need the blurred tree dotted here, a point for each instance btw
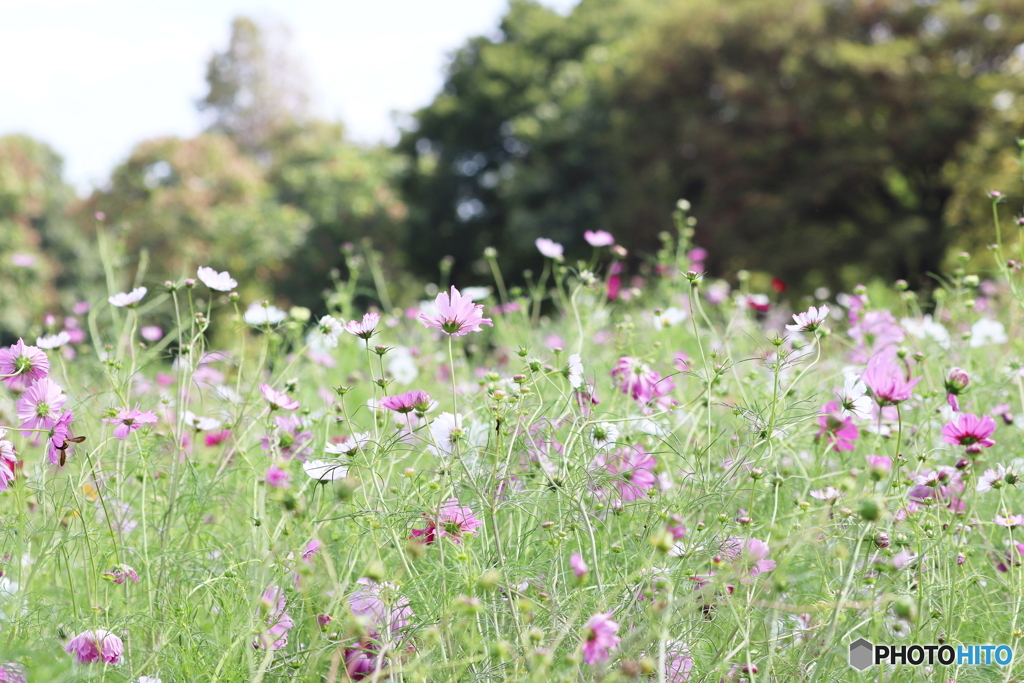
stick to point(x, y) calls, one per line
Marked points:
point(40, 249)
point(256, 86)
point(815, 138)
point(347, 191)
point(189, 203)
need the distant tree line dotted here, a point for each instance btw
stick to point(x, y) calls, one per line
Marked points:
point(820, 141)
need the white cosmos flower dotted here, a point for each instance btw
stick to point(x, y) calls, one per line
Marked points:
point(853, 399)
point(262, 313)
point(324, 471)
point(926, 328)
point(986, 331)
point(575, 371)
point(402, 365)
point(476, 293)
point(53, 341)
point(604, 435)
point(222, 282)
point(327, 332)
point(348, 444)
point(669, 317)
point(446, 430)
point(131, 298)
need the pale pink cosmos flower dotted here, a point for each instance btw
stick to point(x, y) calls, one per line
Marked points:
point(446, 431)
point(379, 607)
point(748, 555)
point(272, 606)
point(1009, 520)
point(222, 282)
point(417, 400)
point(549, 248)
point(119, 573)
point(97, 645)
point(151, 333)
point(456, 315)
point(972, 431)
point(829, 494)
point(365, 328)
point(995, 478)
point(599, 238)
point(131, 298)
point(455, 521)
point(634, 468)
point(128, 421)
point(23, 260)
point(579, 567)
point(23, 365)
point(599, 639)
point(40, 405)
point(53, 341)
point(809, 320)
point(886, 382)
point(278, 399)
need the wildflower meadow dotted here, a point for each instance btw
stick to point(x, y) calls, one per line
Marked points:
point(605, 475)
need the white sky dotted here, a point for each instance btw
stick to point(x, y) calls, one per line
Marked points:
point(93, 77)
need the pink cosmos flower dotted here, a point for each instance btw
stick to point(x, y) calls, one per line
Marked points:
point(635, 470)
point(24, 365)
point(129, 299)
point(877, 332)
point(128, 421)
point(278, 399)
point(829, 494)
point(971, 431)
point(879, 466)
point(119, 573)
point(579, 567)
point(312, 548)
point(748, 555)
point(417, 400)
point(809, 320)
point(598, 238)
point(272, 607)
point(277, 477)
point(956, 382)
point(886, 382)
point(454, 521)
point(599, 639)
point(836, 429)
point(151, 333)
point(222, 282)
point(1002, 410)
point(379, 607)
point(676, 527)
point(39, 406)
point(1009, 521)
point(1009, 558)
point(97, 645)
point(8, 461)
point(457, 315)
point(993, 479)
point(549, 248)
point(289, 437)
point(11, 672)
point(363, 329)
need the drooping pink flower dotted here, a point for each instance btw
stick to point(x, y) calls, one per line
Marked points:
point(599, 639)
point(417, 400)
point(886, 382)
point(809, 320)
point(454, 521)
point(549, 248)
point(222, 282)
point(278, 399)
point(749, 555)
point(97, 645)
point(579, 567)
point(8, 461)
point(634, 468)
point(836, 429)
point(956, 382)
point(40, 405)
point(128, 421)
point(456, 314)
point(24, 365)
point(119, 573)
point(972, 431)
point(365, 328)
point(598, 238)
point(272, 609)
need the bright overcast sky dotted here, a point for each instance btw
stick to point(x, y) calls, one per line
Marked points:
point(94, 77)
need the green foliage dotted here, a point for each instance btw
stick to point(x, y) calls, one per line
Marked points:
point(813, 138)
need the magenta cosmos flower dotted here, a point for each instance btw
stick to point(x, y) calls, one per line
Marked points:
point(971, 431)
point(598, 238)
point(748, 555)
point(456, 314)
point(128, 421)
point(836, 428)
point(809, 320)
point(278, 399)
point(365, 328)
point(8, 461)
point(97, 645)
point(454, 521)
point(23, 365)
point(40, 405)
point(279, 622)
point(120, 573)
point(417, 400)
point(599, 639)
point(886, 382)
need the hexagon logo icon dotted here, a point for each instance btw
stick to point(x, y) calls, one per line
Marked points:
point(861, 654)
